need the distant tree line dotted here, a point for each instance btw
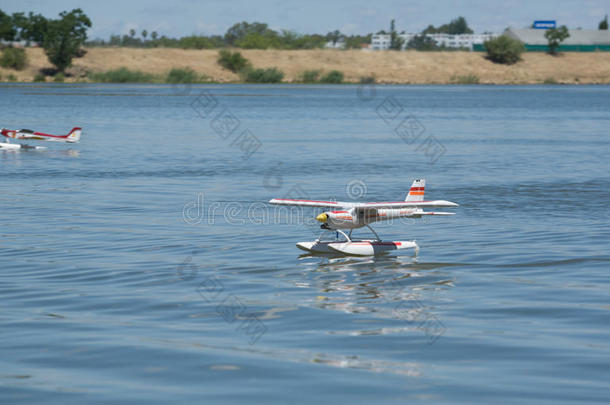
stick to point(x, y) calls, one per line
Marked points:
point(245, 35)
point(257, 35)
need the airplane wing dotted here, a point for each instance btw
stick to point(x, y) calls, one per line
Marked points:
point(371, 206)
point(310, 203)
point(407, 204)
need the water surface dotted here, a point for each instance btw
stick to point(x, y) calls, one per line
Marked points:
point(143, 265)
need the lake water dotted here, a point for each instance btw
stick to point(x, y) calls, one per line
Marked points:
point(143, 264)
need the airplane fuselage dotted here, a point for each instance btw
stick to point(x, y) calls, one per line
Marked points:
point(350, 219)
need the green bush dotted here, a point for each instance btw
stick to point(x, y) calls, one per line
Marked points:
point(258, 41)
point(195, 42)
point(550, 80)
point(11, 78)
point(122, 75)
point(466, 79)
point(367, 80)
point(186, 75)
point(14, 58)
point(40, 78)
point(334, 76)
point(59, 78)
point(556, 36)
point(232, 61)
point(310, 76)
point(269, 75)
point(504, 49)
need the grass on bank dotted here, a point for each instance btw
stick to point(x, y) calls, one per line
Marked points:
point(465, 79)
point(332, 77)
point(309, 76)
point(268, 75)
point(185, 76)
point(124, 75)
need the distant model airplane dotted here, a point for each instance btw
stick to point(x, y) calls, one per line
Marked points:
point(27, 134)
point(353, 215)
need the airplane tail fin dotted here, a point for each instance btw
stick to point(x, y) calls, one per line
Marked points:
point(416, 192)
point(74, 135)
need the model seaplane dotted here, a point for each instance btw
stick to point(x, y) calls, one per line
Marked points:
point(353, 215)
point(27, 135)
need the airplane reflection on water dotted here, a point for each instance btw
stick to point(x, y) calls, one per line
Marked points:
point(394, 288)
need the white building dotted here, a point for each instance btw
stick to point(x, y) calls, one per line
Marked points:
point(382, 41)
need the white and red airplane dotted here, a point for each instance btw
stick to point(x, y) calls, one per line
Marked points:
point(27, 134)
point(353, 215)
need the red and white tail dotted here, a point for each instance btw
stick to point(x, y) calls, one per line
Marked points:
point(74, 135)
point(416, 192)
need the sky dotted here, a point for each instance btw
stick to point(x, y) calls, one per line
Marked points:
point(186, 17)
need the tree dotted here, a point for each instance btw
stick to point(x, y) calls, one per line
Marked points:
point(144, 34)
point(430, 29)
point(504, 49)
point(356, 41)
point(459, 26)
point(396, 42)
point(154, 35)
point(257, 41)
point(64, 37)
point(132, 33)
point(7, 28)
point(422, 43)
point(603, 24)
point(33, 28)
point(555, 36)
point(334, 36)
point(241, 30)
point(18, 20)
point(455, 27)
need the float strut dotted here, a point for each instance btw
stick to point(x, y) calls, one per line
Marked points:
point(377, 236)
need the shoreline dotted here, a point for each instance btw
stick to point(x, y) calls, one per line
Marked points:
point(386, 67)
point(288, 84)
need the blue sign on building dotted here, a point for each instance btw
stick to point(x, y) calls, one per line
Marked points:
point(544, 24)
